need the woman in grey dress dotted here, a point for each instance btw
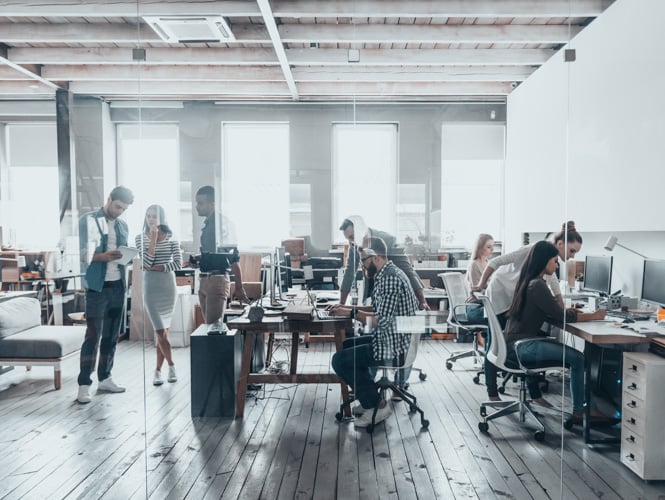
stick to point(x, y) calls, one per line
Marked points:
point(160, 257)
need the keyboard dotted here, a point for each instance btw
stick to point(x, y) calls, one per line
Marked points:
point(325, 314)
point(628, 315)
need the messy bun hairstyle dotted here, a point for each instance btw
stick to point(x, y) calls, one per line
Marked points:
point(568, 233)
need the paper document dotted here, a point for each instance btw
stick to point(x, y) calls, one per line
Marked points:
point(128, 255)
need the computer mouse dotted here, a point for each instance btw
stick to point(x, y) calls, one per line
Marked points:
point(321, 300)
point(628, 320)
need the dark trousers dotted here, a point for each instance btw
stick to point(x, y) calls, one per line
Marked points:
point(105, 313)
point(355, 364)
point(491, 372)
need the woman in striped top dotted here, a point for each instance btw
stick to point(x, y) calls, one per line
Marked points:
point(160, 257)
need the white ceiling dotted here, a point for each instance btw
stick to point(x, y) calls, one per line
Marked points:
point(285, 50)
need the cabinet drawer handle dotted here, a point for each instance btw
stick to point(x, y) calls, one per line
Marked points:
point(632, 386)
point(632, 404)
point(630, 456)
point(634, 368)
point(630, 439)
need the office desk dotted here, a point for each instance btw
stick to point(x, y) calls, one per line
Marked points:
point(596, 334)
point(273, 324)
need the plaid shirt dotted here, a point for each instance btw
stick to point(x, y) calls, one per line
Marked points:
point(392, 296)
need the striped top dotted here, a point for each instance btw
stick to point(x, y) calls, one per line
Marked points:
point(167, 252)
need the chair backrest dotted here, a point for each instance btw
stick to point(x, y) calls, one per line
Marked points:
point(414, 325)
point(498, 350)
point(457, 292)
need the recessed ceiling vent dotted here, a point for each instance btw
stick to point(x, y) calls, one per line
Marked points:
point(191, 29)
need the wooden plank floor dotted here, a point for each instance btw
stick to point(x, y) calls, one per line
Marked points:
point(144, 443)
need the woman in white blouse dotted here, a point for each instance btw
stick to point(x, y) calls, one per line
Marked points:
point(160, 257)
point(481, 253)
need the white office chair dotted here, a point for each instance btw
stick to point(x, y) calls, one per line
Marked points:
point(457, 291)
point(387, 382)
point(498, 354)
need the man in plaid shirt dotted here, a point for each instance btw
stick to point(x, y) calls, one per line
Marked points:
point(392, 296)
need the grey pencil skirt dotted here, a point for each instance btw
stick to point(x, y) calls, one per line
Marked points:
point(159, 294)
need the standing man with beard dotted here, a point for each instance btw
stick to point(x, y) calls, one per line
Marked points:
point(392, 296)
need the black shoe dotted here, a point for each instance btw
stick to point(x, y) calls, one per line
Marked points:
point(254, 387)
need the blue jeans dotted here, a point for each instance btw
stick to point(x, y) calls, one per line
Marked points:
point(550, 353)
point(105, 313)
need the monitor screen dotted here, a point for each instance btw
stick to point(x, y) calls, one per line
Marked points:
point(598, 274)
point(653, 282)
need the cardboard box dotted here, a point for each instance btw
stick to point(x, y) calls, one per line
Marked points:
point(294, 246)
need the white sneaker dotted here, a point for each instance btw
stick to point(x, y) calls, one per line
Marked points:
point(109, 385)
point(84, 394)
point(357, 409)
point(366, 418)
point(172, 376)
point(157, 378)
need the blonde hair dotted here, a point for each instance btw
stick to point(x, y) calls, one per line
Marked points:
point(483, 238)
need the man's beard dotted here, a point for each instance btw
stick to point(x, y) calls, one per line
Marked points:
point(371, 270)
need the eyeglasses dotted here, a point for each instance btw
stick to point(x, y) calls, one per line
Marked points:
point(363, 259)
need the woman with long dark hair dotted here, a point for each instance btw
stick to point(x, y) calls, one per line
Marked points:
point(533, 304)
point(161, 257)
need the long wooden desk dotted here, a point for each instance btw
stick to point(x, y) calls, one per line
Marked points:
point(595, 335)
point(274, 324)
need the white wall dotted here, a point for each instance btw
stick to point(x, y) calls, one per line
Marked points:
point(592, 131)
point(586, 140)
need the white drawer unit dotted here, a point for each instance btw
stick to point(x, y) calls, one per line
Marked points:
point(643, 411)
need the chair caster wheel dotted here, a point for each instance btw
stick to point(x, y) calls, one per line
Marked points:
point(483, 411)
point(539, 436)
point(502, 390)
point(483, 426)
point(338, 416)
point(568, 424)
point(476, 380)
point(424, 424)
point(449, 365)
point(370, 429)
point(422, 376)
point(412, 408)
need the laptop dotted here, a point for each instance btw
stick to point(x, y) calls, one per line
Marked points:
point(321, 313)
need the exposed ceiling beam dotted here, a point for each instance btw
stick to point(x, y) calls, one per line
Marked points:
point(441, 33)
point(258, 89)
point(307, 57)
point(27, 87)
point(158, 55)
point(271, 26)
point(273, 73)
point(27, 72)
point(312, 8)
point(300, 33)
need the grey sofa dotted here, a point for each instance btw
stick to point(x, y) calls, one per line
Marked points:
point(24, 341)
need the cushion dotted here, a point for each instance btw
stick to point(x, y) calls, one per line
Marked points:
point(19, 314)
point(43, 342)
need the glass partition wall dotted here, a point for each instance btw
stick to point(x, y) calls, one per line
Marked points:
point(434, 174)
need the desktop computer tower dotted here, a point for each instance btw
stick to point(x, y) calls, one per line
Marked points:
point(606, 372)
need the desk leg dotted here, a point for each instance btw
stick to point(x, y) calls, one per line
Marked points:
point(241, 389)
point(295, 339)
point(586, 416)
point(271, 342)
point(339, 340)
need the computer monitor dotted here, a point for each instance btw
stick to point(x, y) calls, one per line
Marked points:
point(598, 274)
point(282, 274)
point(653, 282)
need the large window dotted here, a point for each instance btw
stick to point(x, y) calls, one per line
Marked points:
point(364, 174)
point(255, 182)
point(471, 183)
point(30, 194)
point(148, 164)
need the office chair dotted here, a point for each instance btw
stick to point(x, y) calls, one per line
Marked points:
point(387, 382)
point(456, 288)
point(498, 355)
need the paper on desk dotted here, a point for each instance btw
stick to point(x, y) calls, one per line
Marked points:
point(128, 255)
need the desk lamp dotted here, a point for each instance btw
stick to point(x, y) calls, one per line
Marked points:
point(612, 241)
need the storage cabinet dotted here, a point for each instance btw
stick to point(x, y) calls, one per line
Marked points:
point(643, 410)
